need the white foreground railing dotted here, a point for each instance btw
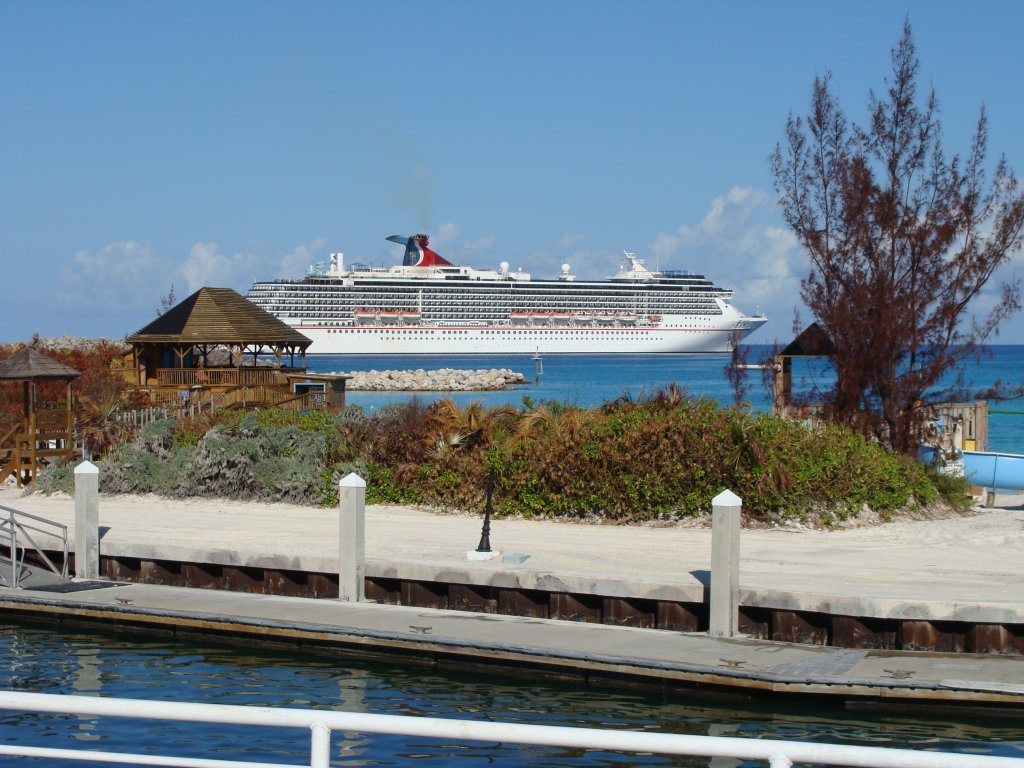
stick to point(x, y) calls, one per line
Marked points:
point(779, 754)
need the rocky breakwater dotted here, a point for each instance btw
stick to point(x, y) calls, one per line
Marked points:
point(443, 380)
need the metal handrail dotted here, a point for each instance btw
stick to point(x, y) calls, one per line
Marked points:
point(10, 528)
point(778, 753)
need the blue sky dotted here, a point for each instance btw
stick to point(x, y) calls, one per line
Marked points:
point(214, 143)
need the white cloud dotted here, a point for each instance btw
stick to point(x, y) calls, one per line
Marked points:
point(295, 263)
point(119, 276)
point(1011, 329)
point(569, 239)
point(133, 276)
point(482, 244)
point(446, 233)
point(738, 245)
point(444, 243)
point(205, 267)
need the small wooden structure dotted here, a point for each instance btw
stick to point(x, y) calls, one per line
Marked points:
point(965, 425)
point(812, 342)
point(44, 436)
point(211, 350)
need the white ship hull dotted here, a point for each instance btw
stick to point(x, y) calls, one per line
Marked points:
point(688, 335)
point(428, 306)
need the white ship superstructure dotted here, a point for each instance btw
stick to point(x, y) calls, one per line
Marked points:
point(429, 306)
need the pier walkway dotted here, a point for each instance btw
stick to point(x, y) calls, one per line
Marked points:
point(573, 649)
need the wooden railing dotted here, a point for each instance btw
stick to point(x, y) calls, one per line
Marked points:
point(268, 396)
point(170, 404)
point(219, 377)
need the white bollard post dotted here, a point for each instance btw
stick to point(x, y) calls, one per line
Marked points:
point(725, 564)
point(87, 521)
point(352, 538)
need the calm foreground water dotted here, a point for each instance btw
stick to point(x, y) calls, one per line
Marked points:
point(589, 380)
point(87, 663)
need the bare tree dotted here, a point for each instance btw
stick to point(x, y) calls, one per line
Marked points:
point(166, 302)
point(736, 370)
point(901, 240)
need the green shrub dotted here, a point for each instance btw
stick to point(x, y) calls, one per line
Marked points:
point(661, 456)
point(53, 480)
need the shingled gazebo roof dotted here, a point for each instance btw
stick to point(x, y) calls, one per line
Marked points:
point(812, 342)
point(31, 365)
point(218, 316)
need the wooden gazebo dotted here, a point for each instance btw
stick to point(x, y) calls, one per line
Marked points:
point(44, 436)
point(217, 342)
point(812, 342)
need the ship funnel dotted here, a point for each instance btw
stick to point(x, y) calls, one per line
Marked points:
point(417, 254)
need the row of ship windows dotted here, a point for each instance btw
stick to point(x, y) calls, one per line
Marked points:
point(481, 304)
point(559, 287)
point(548, 331)
point(477, 316)
point(505, 301)
point(494, 311)
point(508, 300)
point(447, 306)
point(502, 300)
point(459, 290)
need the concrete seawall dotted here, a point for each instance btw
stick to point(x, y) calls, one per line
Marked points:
point(910, 585)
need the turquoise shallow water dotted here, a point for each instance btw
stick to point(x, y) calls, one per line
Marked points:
point(48, 661)
point(589, 380)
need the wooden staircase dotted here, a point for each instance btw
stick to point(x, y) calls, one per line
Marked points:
point(43, 439)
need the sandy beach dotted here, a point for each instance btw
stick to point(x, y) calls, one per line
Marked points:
point(975, 559)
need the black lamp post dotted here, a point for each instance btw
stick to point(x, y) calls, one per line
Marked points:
point(485, 535)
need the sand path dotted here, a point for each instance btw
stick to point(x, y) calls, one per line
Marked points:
point(974, 560)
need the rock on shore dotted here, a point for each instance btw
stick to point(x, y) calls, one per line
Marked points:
point(82, 343)
point(443, 380)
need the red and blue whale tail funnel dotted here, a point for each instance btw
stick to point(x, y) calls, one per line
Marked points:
point(416, 252)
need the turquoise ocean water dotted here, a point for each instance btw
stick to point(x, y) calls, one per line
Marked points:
point(589, 380)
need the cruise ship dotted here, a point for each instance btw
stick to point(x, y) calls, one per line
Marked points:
point(428, 305)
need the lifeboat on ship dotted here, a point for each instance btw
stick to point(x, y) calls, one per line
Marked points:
point(628, 318)
point(540, 318)
point(388, 317)
point(365, 316)
point(583, 318)
point(603, 318)
point(519, 318)
point(561, 318)
point(412, 318)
